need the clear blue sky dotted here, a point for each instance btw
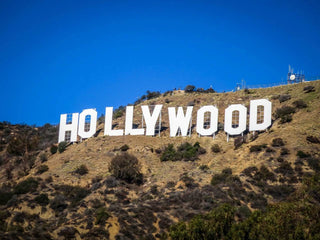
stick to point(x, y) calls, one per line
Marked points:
point(64, 56)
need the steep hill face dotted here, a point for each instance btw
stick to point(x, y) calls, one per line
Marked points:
point(88, 192)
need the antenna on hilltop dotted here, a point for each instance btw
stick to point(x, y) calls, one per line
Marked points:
point(295, 77)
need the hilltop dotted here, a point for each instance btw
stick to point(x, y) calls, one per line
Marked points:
point(75, 194)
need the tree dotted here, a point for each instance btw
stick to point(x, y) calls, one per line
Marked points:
point(189, 88)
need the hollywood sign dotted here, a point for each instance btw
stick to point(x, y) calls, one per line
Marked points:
point(180, 122)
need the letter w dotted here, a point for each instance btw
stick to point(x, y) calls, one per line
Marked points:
point(179, 120)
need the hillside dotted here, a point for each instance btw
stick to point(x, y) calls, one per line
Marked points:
point(74, 195)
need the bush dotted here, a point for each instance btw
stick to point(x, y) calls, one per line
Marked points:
point(42, 169)
point(5, 196)
point(284, 151)
point(68, 232)
point(169, 154)
point(222, 177)
point(284, 98)
point(188, 181)
point(28, 185)
point(126, 167)
point(213, 225)
point(190, 152)
point(238, 142)
point(215, 148)
point(286, 119)
point(264, 174)
point(249, 171)
point(81, 170)
point(308, 89)
point(246, 91)
point(58, 203)
point(299, 104)
point(62, 146)
point(189, 88)
point(277, 142)
point(102, 216)
point(53, 149)
point(314, 163)
point(257, 148)
point(285, 169)
point(124, 148)
point(43, 157)
point(284, 113)
point(313, 139)
point(119, 112)
point(20, 144)
point(185, 151)
point(302, 154)
point(151, 95)
point(42, 199)
point(204, 167)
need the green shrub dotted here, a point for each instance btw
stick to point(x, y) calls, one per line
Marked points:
point(119, 112)
point(74, 193)
point(42, 199)
point(221, 177)
point(28, 185)
point(68, 232)
point(124, 148)
point(188, 181)
point(284, 151)
point(189, 88)
point(169, 154)
point(299, 104)
point(53, 149)
point(308, 89)
point(42, 169)
point(58, 203)
point(5, 196)
point(284, 113)
point(126, 167)
point(22, 143)
point(246, 91)
point(313, 139)
point(43, 158)
point(277, 142)
point(185, 151)
point(302, 154)
point(81, 170)
point(284, 98)
point(215, 148)
point(257, 148)
point(285, 169)
point(151, 95)
point(62, 146)
point(264, 174)
point(314, 163)
point(204, 167)
point(213, 225)
point(102, 216)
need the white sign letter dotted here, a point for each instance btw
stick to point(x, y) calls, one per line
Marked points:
point(254, 125)
point(151, 119)
point(213, 120)
point(92, 125)
point(129, 121)
point(179, 121)
point(64, 126)
point(108, 124)
point(242, 119)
